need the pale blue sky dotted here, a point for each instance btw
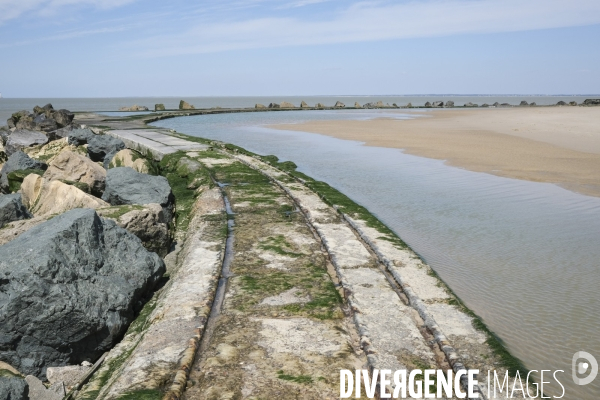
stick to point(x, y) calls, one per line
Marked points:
point(89, 48)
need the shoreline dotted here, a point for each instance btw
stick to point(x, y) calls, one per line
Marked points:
point(557, 145)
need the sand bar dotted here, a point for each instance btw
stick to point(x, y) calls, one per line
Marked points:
point(558, 145)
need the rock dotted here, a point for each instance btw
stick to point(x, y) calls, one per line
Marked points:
point(285, 104)
point(127, 186)
point(65, 131)
point(449, 104)
point(184, 105)
point(427, 104)
point(357, 105)
point(20, 139)
point(72, 298)
point(524, 103)
point(50, 150)
point(12, 209)
point(159, 107)
point(274, 105)
point(147, 222)
point(186, 166)
point(485, 105)
point(505, 104)
point(13, 388)
point(561, 103)
point(18, 161)
point(26, 122)
point(339, 104)
point(533, 104)
point(258, 105)
point(11, 123)
point(572, 103)
point(73, 167)
point(395, 105)
point(79, 137)
point(70, 375)
point(37, 390)
point(129, 158)
point(496, 104)
point(304, 105)
point(63, 117)
point(99, 146)
point(44, 197)
point(469, 104)
point(13, 229)
point(4, 134)
point(46, 125)
point(591, 102)
point(437, 104)
point(409, 105)
point(319, 105)
point(134, 107)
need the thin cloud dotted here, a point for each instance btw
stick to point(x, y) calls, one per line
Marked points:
point(12, 9)
point(372, 21)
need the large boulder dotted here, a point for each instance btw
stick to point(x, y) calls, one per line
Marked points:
point(437, 104)
point(285, 104)
point(274, 105)
point(159, 107)
point(147, 222)
point(524, 103)
point(100, 146)
point(4, 134)
point(339, 104)
point(13, 388)
point(258, 105)
point(63, 117)
point(51, 150)
point(134, 107)
point(73, 167)
point(184, 105)
point(126, 186)
point(70, 288)
point(357, 105)
point(469, 104)
point(79, 137)
point(449, 104)
point(21, 139)
point(319, 105)
point(561, 103)
point(572, 103)
point(591, 102)
point(12, 209)
point(18, 161)
point(44, 197)
point(304, 105)
point(13, 229)
point(129, 158)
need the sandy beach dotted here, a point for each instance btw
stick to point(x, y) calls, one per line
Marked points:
point(558, 145)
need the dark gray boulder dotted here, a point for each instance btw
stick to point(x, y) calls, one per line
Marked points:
point(524, 103)
point(12, 209)
point(533, 104)
point(496, 104)
point(99, 146)
point(437, 104)
point(561, 103)
point(427, 104)
point(449, 104)
point(591, 102)
point(69, 288)
point(125, 185)
point(274, 105)
point(79, 137)
point(16, 162)
point(20, 139)
point(469, 104)
point(63, 117)
point(65, 131)
point(13, 388)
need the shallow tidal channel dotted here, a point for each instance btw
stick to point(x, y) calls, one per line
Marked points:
point(524, 256)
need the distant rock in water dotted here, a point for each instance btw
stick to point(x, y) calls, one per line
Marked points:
point(339, 104)
point(285, 104)
point(485, 105)
point(496, 104)
point(561, 103)
point(320, 105)
point(427, 104)
point(184, 105)
point(72, 298)
point(304, 105)
point(505, 104)
point(469, 104)
point(437, 104)
point(572, 103)
point(591, 102)
point(449, 104)
point(356, 105)
point(533, 104)
point(274, 105)
point(134, 107)
point(523, 103)
point(395, 105)
point(409, 105)
point(127, 186)
point(159, 107)
point(258, 105)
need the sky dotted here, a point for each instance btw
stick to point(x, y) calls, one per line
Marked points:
point(118, 48)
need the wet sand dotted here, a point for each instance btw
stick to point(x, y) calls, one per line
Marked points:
point(558, 145)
